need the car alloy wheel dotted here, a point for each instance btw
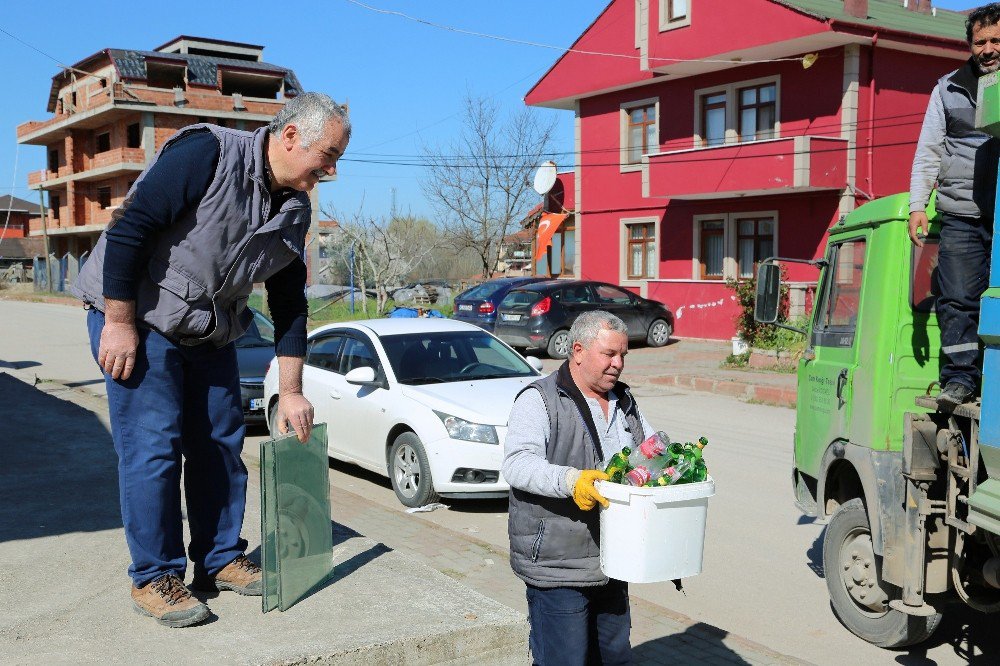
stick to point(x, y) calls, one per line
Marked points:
point(659, 333)
point(559, 344)
point(410, 472)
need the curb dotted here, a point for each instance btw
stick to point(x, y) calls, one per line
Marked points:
point(768, 395)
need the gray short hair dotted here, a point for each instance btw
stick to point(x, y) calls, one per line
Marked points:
point(588, 326)
point(310, 112)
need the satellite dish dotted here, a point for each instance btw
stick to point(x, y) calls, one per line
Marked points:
point(545, 177)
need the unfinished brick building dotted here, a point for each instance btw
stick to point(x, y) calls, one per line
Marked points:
point(113, 110)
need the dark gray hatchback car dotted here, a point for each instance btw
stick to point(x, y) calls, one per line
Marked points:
point(538, 316)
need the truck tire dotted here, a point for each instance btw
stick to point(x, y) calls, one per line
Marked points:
point(859, 597)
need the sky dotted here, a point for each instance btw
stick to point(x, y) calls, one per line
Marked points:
point(405, 80)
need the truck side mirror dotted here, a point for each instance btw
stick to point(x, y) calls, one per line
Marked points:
point(768, 287)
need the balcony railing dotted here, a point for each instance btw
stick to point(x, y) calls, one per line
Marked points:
point(775, 166)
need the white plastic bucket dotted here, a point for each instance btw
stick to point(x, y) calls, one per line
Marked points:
point(652, 535)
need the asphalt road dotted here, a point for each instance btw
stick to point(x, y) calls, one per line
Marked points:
point(763, 576)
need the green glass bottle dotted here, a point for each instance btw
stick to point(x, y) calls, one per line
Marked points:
point(700, 472)
point(618, 466)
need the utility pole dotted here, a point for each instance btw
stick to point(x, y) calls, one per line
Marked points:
point(45, 239)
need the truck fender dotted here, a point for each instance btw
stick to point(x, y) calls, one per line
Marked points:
point(848, 471)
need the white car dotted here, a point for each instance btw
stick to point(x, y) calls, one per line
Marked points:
point(423, 401)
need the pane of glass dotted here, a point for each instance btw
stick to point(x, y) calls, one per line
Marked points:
point(745, 257)
point(323, 352)
point(678, 8)
point(265, 328)
point(357, 355)
point(765, 227)
point(650, 113)
point(715, 127)
point(711, 224)
point(650, 259)
point(650, 138)
point(635, 116)
point(746, 227)
point(609, 294)
point(845, 287)
point(636, 231)
point(765, 122)
point(557, 254)
point(748, 124)
point(767, 93)
point(425, 358)
point(296, 534)
point(717, 98)
point(569, 250)
point(713, 255)
point(635, 260)
point(765, 249)
point(541, 267)
point(748, 96)
point(634, 144)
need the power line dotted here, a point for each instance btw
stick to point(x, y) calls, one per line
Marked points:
point(524, 42)
point(471, 163)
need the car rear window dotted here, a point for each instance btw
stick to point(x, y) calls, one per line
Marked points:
point(516, 298)
point(482, 292)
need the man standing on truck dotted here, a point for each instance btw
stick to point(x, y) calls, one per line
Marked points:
point(963, 162)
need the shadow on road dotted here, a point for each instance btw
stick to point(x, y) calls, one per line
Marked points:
point(699, 643)
point(972, 636)
point(18, 365)
point(58, 469)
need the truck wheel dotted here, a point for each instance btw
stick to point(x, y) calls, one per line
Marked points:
point(859, 597)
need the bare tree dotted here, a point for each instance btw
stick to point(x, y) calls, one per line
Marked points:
point(479, 183)
point(386, 249)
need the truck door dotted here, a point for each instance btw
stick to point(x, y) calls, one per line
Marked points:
point(827, 368)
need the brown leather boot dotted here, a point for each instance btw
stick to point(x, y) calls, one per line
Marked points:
point(242, 575)
point(168, 601)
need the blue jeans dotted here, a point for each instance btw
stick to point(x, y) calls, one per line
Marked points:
point(963, 275)
point(576, 626)
point(179, 403)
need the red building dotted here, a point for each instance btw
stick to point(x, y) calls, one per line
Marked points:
point(711, 134)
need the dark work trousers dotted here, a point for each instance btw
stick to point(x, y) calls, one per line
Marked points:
point(963, 275)
point(179, 403)
point(578, 626)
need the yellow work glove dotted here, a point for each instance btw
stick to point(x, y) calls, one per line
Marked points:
point(584, 493)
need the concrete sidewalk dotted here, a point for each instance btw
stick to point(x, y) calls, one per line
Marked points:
point(64, 592)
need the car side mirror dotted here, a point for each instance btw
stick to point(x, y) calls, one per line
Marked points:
point(765, 308)
point(534, 362)
point(361, 376)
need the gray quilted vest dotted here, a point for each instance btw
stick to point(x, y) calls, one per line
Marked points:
point(203, 267)
point(552, 542)
point(968, 172)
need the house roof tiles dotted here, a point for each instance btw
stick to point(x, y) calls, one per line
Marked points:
point(888, 14)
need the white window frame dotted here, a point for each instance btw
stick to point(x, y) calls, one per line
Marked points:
point(730, 238)
point(623, 238)
point(732, 105)
point(623, 112)
point(666, 25)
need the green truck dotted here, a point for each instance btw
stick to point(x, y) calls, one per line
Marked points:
point(904, 490)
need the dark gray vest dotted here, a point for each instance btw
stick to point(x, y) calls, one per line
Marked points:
point(202, 268)
point(552, 542)
point(968, 172)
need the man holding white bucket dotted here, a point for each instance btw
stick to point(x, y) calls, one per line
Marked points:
point(562, 429)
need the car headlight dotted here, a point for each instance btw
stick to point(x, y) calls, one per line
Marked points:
point(466, 430)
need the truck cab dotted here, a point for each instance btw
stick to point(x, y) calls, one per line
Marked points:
point(893, 478)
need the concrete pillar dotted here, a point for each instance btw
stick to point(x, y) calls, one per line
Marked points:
point(148, 135)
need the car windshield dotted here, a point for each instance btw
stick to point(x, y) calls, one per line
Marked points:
point(454, 356)
point(259, 334)
point(520, 298)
